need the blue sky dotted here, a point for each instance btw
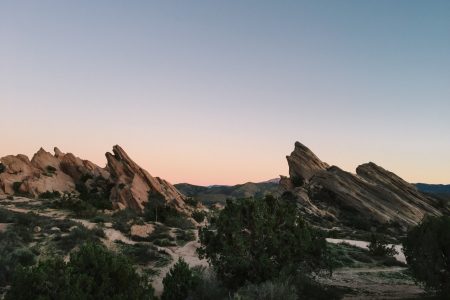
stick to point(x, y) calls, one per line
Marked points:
point(214, 92)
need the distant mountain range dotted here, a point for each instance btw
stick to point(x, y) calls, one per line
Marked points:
point(439, 189)
point(212, 194)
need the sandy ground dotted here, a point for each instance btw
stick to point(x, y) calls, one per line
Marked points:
point(188, 253)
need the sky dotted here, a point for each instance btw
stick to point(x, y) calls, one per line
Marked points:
point(217, 92)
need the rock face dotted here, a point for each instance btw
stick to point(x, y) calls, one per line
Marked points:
point(125, 183)
point(373, 194)
point(41, 174)
point(304, 164)
point(134, 186)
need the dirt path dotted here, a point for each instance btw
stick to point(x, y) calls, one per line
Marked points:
point(188, 253)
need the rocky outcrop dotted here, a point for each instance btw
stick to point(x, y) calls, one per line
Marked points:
point(41, 174)
point(373, 194)
point(304, 164)
point(134, 186)
point(122, 180)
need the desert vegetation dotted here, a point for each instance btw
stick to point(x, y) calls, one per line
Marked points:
point(93, 272)
point(427, 250)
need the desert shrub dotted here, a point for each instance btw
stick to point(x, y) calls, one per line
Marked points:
point(16, 186)
point(427, 251)
point(124, 219)
point(267, 291)
point(23, 256)
point(184, 236)
point(6, 216)
point(179, 221)
point(80, 208)
point(94, 197)
point(2, 168)
point(47, 280)
point(13, 253)
point(50, 195)
point(208, 287)
point(307, 288)
point(192, 202)
point(77, 236)
point(144, 253)
point(157, 210)
point(179, 281)
point(199, 216)
point(255, 239)
point(165, 242)
point(51, 169)
point(93, 272)
point(101, 218)
point(380, 247)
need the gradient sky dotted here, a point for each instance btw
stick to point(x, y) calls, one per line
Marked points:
point(217, 92)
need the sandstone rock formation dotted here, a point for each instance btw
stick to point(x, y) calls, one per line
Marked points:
point(134, 186)
point(33, 177)
point(122, 180)
point(373, 194)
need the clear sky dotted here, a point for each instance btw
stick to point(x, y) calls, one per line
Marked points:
point(217, 92)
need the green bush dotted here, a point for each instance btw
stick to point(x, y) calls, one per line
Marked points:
point(192, 202)
point(267, 291)
point(80, 208)
point(208, 287)
point(94, 197)
point(124, 219)
point(50, 195)
point(380, 247)
point(93, 272)
point(253, 240)
point(144, 253)
point(179, 281)
point(16, 186)
point(427, 251)
point(47, 280)
point(199, 216)
point(51, 169)
point(157, 210)
point(184, 236)
point(77, 236)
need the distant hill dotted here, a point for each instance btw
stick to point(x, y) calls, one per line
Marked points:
point(219, 193)
point(441, 192)
point(434, 188)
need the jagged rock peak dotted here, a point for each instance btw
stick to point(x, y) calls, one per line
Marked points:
point(303, 163)
point(58, 152)
point(133, 185)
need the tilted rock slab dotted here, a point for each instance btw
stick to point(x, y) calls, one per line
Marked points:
point(372, 193)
